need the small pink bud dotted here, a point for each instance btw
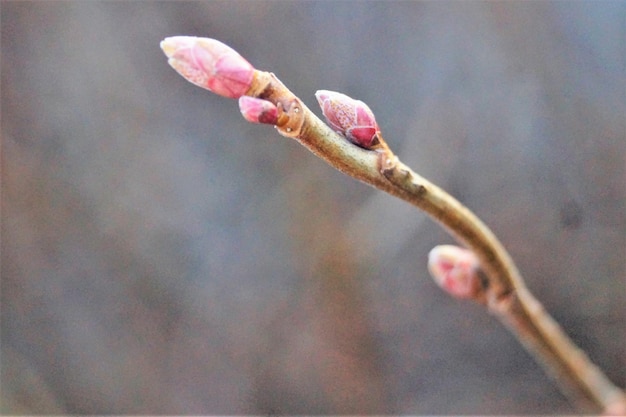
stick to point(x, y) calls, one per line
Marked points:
point(616, 408)
point(455, 270)
point(256, 110)
point(209, 64)
point(349, 117)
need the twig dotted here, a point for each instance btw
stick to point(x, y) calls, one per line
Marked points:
point(505, 294)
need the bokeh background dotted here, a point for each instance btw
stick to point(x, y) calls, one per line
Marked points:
point(161, 255)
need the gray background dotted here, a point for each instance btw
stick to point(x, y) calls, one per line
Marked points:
point(161, 255)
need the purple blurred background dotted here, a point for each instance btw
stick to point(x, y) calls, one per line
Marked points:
point(161, 255)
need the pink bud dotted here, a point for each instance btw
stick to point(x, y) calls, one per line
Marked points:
point(210, 64)
point(616, 408)
point(256, 110)
point(455, 270)
point(348, 117)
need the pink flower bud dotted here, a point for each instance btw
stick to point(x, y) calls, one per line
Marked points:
point(455, 270)
point(256, 110)
point(616, 408)
point(348, 117)
point(210, 64)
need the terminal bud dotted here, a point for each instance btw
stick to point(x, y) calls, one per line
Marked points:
point(209, 64)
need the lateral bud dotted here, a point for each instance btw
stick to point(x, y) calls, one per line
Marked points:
point(455, 270)
point(351, 118)
point(256, 110)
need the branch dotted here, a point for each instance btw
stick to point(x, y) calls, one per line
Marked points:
point(356, 147)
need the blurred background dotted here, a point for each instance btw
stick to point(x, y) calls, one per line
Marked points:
point(161, 255)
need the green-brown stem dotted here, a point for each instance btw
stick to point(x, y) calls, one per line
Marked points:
point(506, 295)
point(508, 298)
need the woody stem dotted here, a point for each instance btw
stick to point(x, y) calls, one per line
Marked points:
point(506, 294)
